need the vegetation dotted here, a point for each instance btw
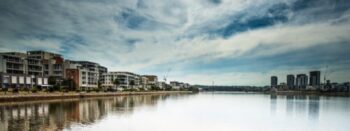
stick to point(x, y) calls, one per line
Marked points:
point(15, 90)
point(97, 89)
point(132, 83)
point(99, 83)
point(26, 89)
point(5, 90)
point(70, 84)
point(52, 80)
point(154, 88)
point(34, 89)
point(116, 83)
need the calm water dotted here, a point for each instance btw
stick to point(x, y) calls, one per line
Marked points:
point(200, 112)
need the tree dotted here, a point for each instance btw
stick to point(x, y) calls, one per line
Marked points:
point(116, 82)
point(69, 83)
point(99, 84)
point(52, 80)
point(132, 83)
point(5, 89)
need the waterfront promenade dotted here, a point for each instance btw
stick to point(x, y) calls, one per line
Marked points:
point(23, 96)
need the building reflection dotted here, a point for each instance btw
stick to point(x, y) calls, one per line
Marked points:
point(290, 104)
point(297, 105)
point(314, 107)
point(58, 115)
point(300, 104)
point(273, 103)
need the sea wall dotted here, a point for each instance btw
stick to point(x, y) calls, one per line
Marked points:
point(50, 96)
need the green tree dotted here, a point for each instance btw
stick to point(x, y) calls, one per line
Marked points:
point(5, 89)
point(116, 82)
point(99, 83)
point(132, 83)
point(52, 80)
point(69, 83)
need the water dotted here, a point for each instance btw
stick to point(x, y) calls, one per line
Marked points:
point(200, 112)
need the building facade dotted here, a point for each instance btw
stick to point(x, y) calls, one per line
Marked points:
point(152, 79)
point(125, 80)
point(274, 81)
point(52, 64)
point(19, 71)
point(315, 78)
point(290, 81)
point(85, 74)
point(301, 81)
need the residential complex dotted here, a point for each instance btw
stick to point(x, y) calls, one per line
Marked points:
point(52, 64)
point(274, 81)
point(38, 68)
point(178, 85)
point(18, 70)
point(315, 78)
point(121, 79)
point(301, 81)
point(290, 81)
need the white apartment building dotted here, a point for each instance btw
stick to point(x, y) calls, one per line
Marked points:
point(125, 79)
point(179, 85)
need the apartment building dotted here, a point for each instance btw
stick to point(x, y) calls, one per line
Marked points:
point(52, 64)
point(85, 74)
point(179, 85)
point(175, 84)
point(17, 70)
point(125, 79)
point(152, 79)
point(13, 63)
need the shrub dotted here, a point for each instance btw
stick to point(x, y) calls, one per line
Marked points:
point(25, 89)
point(15, 90)
point(34, 89)
point(50, 89)
point(133, 89)
point(5, 90)
point(97, 90)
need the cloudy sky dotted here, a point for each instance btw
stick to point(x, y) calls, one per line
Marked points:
point(230, 42)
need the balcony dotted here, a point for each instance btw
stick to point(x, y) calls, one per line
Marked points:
point(35, 63)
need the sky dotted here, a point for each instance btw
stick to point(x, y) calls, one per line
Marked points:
point(225, 42)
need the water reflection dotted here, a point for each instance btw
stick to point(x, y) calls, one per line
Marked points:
point(300, 104)
point(290, 104)
point(314, 107)
point(60, 114)
point(273, 103)
point(297, 105)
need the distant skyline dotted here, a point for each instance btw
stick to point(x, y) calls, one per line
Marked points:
point(231, 42)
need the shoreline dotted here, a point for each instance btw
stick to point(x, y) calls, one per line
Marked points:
point(345, 94)
point(52, 96)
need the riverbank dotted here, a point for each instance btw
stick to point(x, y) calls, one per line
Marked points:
point(347, 94)
point(59, 95)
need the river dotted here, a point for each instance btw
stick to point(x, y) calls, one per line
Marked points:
point(220, 111)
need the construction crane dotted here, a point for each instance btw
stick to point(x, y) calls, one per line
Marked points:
point(325, 74)
point(166, 75)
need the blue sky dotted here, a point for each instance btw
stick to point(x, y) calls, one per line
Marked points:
point(231, 42)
